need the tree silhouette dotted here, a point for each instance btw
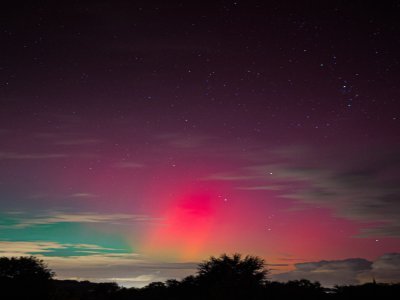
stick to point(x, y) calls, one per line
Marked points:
point(24, 268)
point(25, 277)
point(232, 276)
point(235, 268)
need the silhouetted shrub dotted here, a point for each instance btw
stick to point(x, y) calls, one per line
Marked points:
point(233, 276)
point(25, 277)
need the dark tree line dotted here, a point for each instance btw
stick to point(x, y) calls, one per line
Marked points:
point(224, 277)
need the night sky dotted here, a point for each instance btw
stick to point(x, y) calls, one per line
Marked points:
point(138, 138)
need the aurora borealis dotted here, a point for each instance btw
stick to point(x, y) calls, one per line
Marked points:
point(138, 138)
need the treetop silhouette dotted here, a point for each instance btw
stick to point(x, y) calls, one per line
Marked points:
point(235, 269)
point(23, 268)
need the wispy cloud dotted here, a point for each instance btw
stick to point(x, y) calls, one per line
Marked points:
point(128, 165)
point(260, 188)
point(185, 142)
point(364, 189)
point(26, 248)
point(128, 269)
point(82, 195)
point(231, 177)
point(385, 269)
point(23, 221)
point(78, 142)
point(17, 248)
point(27, 156)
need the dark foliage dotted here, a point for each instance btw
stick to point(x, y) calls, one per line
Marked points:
point(25, 278)
point(76, 290)
point(368, 291)
point(296, 289)
point(23, 268)
point(232, 277)
point(224, 277)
